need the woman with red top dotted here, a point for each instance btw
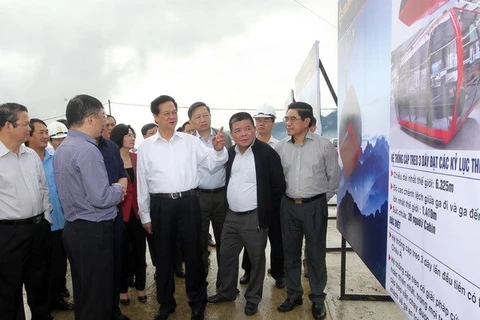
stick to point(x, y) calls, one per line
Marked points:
point(134, 237)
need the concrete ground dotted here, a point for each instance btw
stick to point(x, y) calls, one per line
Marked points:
point(359, 281)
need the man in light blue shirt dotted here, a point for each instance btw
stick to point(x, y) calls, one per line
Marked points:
point(38, 141)
point(211, 189)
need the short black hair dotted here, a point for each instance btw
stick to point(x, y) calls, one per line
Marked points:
point(110, 116)
point(32, 126)
point(180, 129)
point(9, 113)
point(314, 121)
point(196, 105)
point(64, 121)
point(147, 127)
point(158, 101)
point(184, 125)
point(239, 116)
point(304, 110)
point(80, 107)
point(120, 131)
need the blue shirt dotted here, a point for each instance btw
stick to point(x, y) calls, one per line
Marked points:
point(210, 179)
point(113, 161)
point(82, 180)
point(58, 217)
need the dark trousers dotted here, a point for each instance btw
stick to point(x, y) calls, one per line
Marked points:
point(213, 208)
point(177, 257)
point(171, 218)
point(24, 259)
point(276, 249)
point(309, 219)
point(58, 265)
point(134, 238)
point(118, 227)
point(242, 231)
point(89, 247)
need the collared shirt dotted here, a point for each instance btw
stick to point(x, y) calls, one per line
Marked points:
point(82, 180)
point(23, 187)
point(242, 186)
point(113, 160)
point(310, 168)
point(58, 217)
point(172, 166)
point(272, 142)
point(210, 179)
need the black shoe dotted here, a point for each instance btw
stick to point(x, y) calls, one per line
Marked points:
point(245, 279)
point(280, 283)
point(142, 299)
point(65, 293)
point(289, 304)
point(122, 317)
point(125, 302)
point(198, 315)
point(319, 311)
point(251, 308)
point(131, 281)
point(61, 304)
point(217, 298)
point(164, 312)
point(179, 272)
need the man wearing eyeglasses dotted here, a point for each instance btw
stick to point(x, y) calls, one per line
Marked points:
point(24, 230)
point(312, 174)
point(167, 176)
point(265, 116)
point(90, 205)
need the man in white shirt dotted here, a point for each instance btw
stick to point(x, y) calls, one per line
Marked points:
point(167, 176)
point(255, 186)
point(24, 230)
point(211, 189)
point(265, 116)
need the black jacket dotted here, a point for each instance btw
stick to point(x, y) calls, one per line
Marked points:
point(270, 179)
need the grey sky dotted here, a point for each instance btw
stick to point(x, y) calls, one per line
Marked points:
point(53, 50)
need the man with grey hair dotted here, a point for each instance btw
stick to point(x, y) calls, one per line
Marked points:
point(24, 211)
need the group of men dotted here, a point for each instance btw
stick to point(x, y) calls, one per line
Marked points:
point(252, 189)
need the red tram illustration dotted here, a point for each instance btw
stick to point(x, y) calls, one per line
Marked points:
point(439, 75)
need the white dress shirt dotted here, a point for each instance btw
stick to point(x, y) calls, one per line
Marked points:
point(172, 166)
point(272, 142)
point(242, 185)
point(23, 191)
point(210, 179)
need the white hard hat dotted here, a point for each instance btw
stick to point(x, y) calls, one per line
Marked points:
point(265, 111)
point(57, 130)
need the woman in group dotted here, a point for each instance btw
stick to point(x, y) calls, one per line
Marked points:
point(134, 237)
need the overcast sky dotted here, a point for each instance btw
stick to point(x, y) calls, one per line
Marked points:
point(230, 54)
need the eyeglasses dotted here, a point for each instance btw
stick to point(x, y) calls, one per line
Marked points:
point(264, 120)
point(292, 119)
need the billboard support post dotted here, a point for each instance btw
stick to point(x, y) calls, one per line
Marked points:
point(354, 297)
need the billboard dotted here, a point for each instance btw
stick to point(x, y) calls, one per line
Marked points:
point(307, 83)
point(409, 90)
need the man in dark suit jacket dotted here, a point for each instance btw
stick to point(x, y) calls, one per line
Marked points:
point(255, 185)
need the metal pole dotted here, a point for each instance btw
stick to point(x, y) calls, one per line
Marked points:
point(327, 80)
point(342, 268)
point(109, 108)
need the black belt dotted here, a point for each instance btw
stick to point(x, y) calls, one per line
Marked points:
point(173, 195)
point(32, 220)
point(241, 213)
point(217, 190)
point(305, 200)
